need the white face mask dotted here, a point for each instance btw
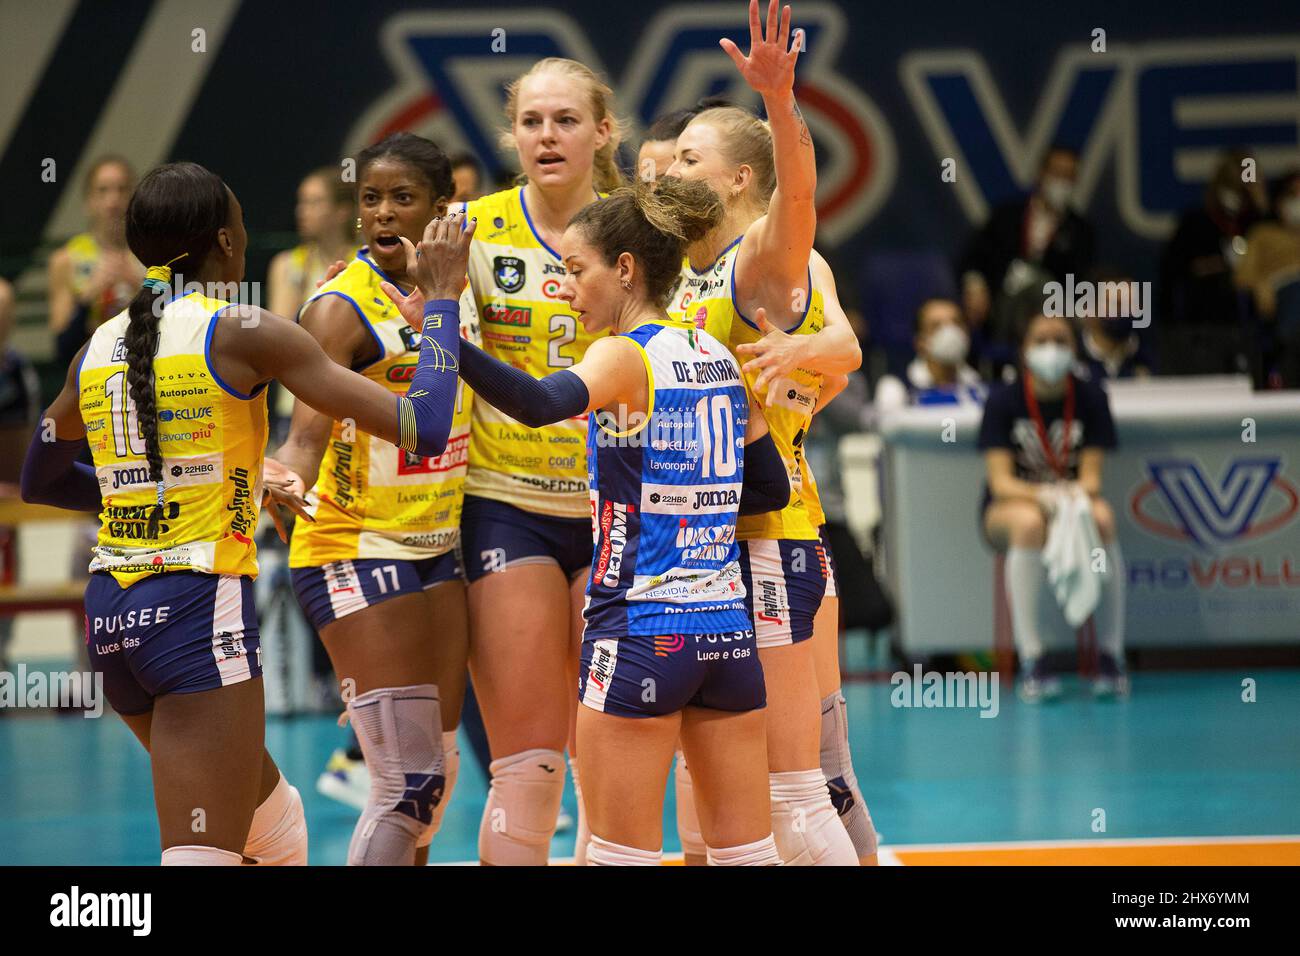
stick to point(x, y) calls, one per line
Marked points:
point(1056, 192)
point(948, 344)
point(1049, 362)
point(1288, 210)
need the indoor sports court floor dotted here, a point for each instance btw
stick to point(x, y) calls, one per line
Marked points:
point(1184, 771)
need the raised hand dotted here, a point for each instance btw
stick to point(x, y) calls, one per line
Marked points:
point(411, 306)
point(440, 263)
point(769, 68)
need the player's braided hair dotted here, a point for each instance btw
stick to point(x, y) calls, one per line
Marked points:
point(174, 213)
point(654, 222)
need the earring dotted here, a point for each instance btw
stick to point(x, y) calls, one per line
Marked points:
point(358, 223)
point(627, 285)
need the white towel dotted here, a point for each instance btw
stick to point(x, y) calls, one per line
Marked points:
point(1072, 540)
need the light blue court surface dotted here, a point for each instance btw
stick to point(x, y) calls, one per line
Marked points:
point(1184, 756)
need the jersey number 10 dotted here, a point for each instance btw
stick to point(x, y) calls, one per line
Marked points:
point(716, 428)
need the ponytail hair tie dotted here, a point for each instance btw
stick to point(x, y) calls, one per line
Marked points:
point(159, 278)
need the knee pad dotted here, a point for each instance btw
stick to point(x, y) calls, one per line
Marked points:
point(583, 838)
point(688, 820)
point(759, 853)
point(523, 801)
point(603, 853)
point(804, 823)
point(199, 856)
point(278, 836)
point(400, 732)
point(450, 771)
point(837, 767)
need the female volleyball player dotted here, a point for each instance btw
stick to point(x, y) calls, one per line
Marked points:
point(93, 275)
point(1044, 432)
point(526, 532)
point(761, 254)
point(327, 233)
point(170, 396)
point(674, 452)
point(376, 570)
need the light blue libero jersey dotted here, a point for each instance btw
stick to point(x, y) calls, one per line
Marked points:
point(665, 493)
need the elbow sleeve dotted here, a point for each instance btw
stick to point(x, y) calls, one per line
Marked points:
point(530, 401)
point(767, 486)
point(424, 414)
point(53, 476)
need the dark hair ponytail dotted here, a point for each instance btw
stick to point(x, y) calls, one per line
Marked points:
point(175, 213)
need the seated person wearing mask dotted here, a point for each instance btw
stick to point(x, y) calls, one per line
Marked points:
point(1110, 346)
point(1047, 430)
point(939, 374)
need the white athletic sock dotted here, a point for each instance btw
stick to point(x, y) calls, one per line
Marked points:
point(1109, 617)
point(688, 819)
point(199, 856)
point(603, 853)
point(807, 830)
point(759, 853)
point(1025, 577)
point(583, 839)
point(278, 835)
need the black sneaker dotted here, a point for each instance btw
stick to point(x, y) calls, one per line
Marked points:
point(1037, 683)
point(1111, 679)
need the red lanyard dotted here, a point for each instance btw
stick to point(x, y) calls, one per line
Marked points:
point(1057, 466)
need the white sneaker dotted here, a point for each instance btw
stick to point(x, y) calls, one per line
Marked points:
point(345, 780)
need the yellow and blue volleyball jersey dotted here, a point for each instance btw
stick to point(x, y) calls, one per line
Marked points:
point(707, 300)
point(515, 278)
point(83, 250)
point(212, 440)
point(665, 495)
point(372, 499)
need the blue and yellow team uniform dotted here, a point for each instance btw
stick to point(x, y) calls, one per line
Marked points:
point(387, 520)
point(782, 555)
point(526, 492)
point(665, 600)
point(173, 613)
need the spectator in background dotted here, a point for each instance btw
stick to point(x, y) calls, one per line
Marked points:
point(1200, 323)
point(660, 143)
point(939, 375)
point(20, 391)
point(93, 276)
point(1049, 430)
point(1270, 270)
point(1024, 244)
point(467, 177)
point(325, 212)
point(1110, 346)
